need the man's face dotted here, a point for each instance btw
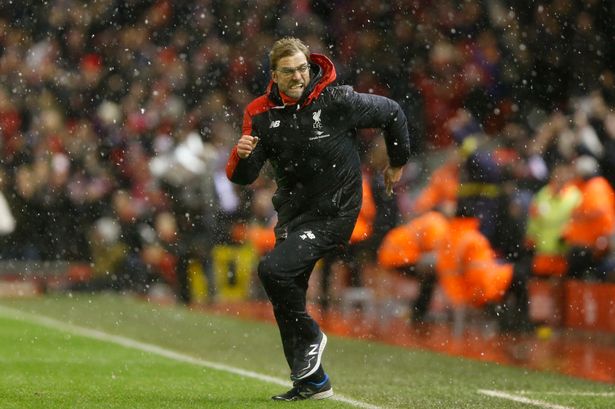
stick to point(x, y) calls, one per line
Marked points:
point(292, 75)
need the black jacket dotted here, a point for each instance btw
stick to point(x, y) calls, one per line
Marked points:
point(312, 146)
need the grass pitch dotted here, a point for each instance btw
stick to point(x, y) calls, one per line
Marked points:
point(108, 351)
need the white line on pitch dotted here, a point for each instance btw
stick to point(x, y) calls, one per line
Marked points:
point(522, 399)
point(569, 393)
point(158, 350)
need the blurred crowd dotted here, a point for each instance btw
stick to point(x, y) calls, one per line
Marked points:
point(117, 117)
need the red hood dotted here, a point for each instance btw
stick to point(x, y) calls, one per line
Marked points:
point(326, 76)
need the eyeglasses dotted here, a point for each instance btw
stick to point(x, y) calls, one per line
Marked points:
point(288, 71)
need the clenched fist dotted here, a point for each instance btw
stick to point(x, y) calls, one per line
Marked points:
point(246, 145)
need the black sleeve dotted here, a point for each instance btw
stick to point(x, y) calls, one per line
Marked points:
point(245, 171)
point(375, 111)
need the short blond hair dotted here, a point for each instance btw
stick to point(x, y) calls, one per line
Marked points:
point(285, 47)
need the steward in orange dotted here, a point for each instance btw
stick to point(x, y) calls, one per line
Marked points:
point(365, 222)
point(410, 249)
point(592, 222)
point(442, 186)
point(467, 267)
point(262, 238)
point(469, 272)
point(408, 244)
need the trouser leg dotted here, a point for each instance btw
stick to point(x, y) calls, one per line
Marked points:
point(352, 256)
point(325, 280)
point(420, 307)
point(183, 281)
point(519, 291)
point(579, 262)
point(284, 273)
point(514, 313)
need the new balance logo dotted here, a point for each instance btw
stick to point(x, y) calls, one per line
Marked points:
point(307, 235)
point(313, 349)
point(274, 124)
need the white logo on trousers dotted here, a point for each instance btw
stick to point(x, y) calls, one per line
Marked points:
point(307, 235)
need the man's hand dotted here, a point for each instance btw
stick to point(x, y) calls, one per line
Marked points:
point(392, 176)
point(246, 145)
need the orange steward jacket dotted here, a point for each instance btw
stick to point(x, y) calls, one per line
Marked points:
point(593, 221)
point(404, 245)
point(467, 268)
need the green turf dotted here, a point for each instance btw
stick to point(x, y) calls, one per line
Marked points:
point(50, 369)
point(42, 367)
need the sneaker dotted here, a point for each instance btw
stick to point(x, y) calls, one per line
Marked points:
point(307, 390)
point(306, 364)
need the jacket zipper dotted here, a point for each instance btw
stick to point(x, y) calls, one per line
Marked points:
point(295, 122)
